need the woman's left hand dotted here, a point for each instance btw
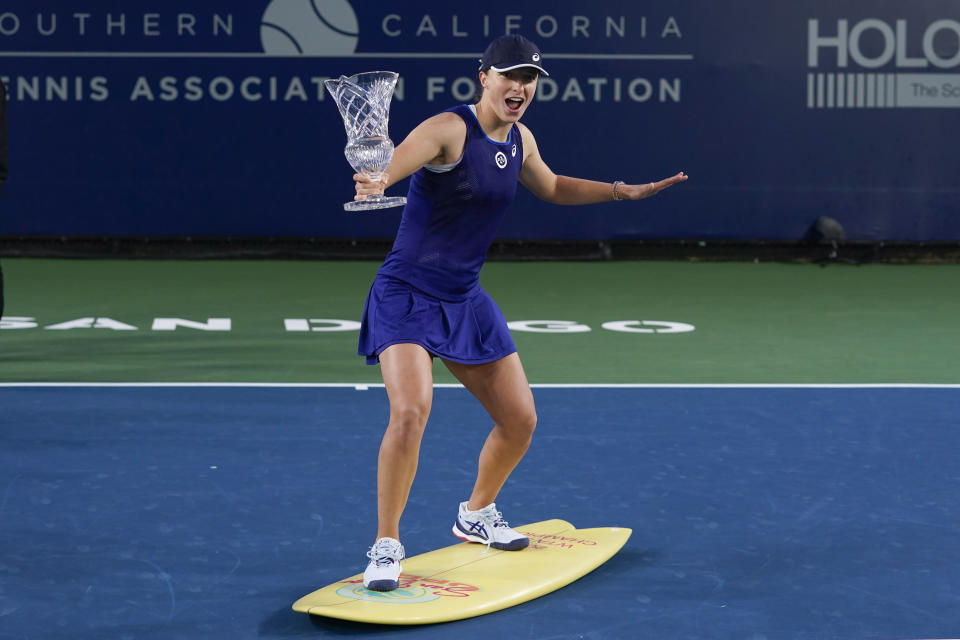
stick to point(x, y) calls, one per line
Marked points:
point(640, 191)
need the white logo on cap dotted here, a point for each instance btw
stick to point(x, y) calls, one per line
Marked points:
point(501, 159)
point(536, 57)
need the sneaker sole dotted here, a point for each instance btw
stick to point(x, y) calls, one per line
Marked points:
point(515, 545)
point(382, 585)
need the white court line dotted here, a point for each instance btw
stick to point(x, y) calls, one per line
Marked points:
point(444, 385)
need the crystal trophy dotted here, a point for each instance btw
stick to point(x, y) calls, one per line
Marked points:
point(364, 103)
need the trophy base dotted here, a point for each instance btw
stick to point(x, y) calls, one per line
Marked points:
point(374, 203)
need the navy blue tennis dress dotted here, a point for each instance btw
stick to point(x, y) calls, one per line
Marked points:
point(427, 291)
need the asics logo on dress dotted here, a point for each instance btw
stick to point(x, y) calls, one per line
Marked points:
point(501, 159)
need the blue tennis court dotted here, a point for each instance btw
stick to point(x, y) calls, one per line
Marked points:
point(757, 512)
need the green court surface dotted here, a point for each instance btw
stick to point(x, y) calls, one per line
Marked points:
point(752, 323)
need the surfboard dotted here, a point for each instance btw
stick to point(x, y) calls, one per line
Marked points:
point(468, 579)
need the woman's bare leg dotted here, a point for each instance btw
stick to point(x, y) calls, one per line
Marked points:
point(503, 390)
point(407, 371)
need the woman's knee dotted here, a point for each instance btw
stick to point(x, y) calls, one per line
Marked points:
point(521, 426)
point(409, 417)
point(530, 422)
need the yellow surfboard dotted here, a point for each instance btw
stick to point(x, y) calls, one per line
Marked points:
point(466, 580)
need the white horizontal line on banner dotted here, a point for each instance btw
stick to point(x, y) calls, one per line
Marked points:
point(379, 385)
point(227, 54)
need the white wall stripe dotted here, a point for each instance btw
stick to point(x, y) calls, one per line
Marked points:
point(399, 55)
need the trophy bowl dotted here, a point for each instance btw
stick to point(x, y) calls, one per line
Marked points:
point(364, 103)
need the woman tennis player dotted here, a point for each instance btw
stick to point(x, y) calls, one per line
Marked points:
point(426, 301)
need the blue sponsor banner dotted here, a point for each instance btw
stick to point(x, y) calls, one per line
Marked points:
point(209, 118)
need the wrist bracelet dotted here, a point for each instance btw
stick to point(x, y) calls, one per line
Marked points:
point(616, 191)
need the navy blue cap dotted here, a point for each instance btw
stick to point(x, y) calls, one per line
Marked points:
point(512, 52)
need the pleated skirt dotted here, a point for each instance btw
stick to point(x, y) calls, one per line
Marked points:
point(468, 331)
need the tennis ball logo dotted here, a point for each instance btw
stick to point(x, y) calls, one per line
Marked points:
point(309, 27)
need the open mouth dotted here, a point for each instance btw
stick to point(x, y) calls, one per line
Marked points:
point(514, 104)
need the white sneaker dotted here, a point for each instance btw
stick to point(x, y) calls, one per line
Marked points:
point(383, 572)
point(488, 527)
